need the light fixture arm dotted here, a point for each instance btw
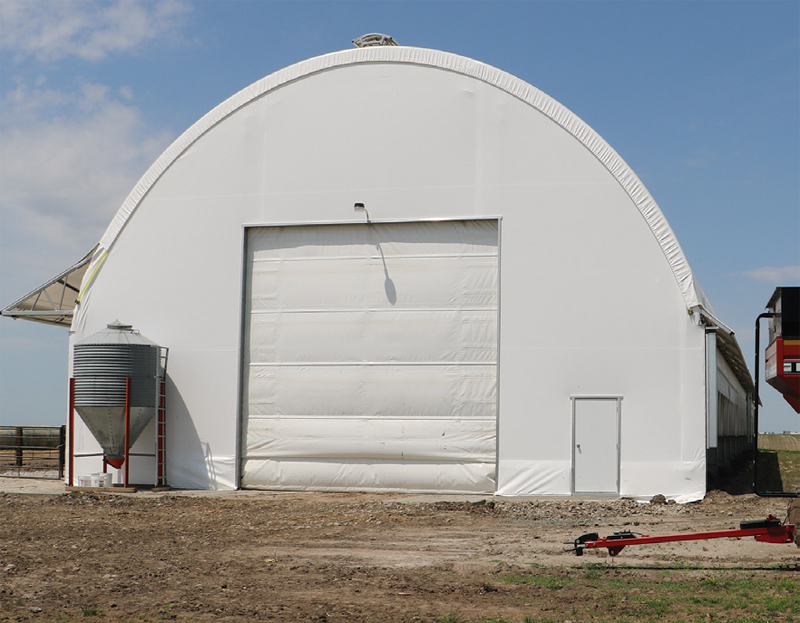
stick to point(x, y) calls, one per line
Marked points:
point(360, 207)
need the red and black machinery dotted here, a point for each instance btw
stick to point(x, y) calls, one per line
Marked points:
point(769, 530)
point(781, 361)
point(782, 371)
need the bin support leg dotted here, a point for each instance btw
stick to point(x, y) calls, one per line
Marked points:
point(71, 423)
point(127, 428)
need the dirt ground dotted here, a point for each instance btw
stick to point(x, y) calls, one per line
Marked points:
point(339, 557)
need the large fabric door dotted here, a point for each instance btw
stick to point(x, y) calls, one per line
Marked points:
point(370, 358)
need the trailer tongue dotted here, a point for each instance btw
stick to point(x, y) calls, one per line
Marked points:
point(769, 530)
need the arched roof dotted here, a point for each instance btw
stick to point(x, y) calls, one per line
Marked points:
point(519, 89)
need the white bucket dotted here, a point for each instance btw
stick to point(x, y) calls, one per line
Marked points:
point(84, 481)
point(97, 480)
point(107, 480)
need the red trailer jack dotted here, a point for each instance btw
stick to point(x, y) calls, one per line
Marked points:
point(769, 530)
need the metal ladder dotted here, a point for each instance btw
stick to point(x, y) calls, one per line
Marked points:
point(161, 435)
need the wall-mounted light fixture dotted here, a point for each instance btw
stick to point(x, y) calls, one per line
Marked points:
point(360, 207)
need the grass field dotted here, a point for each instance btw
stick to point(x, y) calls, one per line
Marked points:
point(623, 594)
point(779, 471)
point(615, 592)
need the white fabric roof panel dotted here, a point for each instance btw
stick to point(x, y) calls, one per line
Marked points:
point(593, 288)
point(441, 60)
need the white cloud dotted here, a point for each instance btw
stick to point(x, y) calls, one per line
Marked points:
point(70, 155)
point(777, 275)
point(68, 160)
point(50, 30)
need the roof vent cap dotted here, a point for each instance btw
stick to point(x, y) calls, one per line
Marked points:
point(373, 39)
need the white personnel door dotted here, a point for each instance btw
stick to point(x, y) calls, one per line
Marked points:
point(595, 449)
point(370, 357)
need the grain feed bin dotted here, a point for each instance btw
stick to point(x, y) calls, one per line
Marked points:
point(102, 363)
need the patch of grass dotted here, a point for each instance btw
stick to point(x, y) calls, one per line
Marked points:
point(658, 606)
point(452, 617)
point(778, 470)
point(91, 611)
point(595, 571)
point(652, 594)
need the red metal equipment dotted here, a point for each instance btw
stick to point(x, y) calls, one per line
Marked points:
point(769, 530)
point(127, 466)
point(783, 353)
point(782, 364)
point(161, 436)
point(783, 369)
point(71, 425)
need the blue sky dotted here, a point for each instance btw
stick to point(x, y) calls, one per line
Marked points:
point(700, 98)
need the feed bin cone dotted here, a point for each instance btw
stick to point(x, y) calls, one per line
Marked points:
point(101, 365)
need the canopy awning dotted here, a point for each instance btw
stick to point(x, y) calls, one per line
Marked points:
point(729, 348)
point(54, 301)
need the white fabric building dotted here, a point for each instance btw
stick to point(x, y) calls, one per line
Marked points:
point(510, 314)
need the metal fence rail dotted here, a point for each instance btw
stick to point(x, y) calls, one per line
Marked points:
point(32, 451)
